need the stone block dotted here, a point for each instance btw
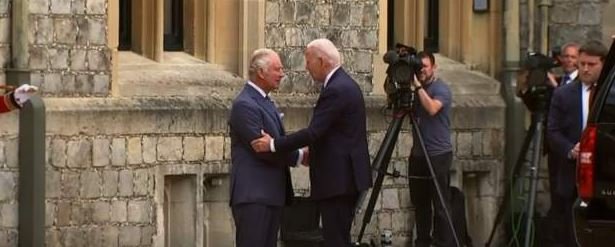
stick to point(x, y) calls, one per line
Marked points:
point(12, 149)
point(374, 140)
point(78, 7)
point(39, 6)
point(322, 15)
point(272, 14)
point(63, 216)
point(477, 146)
point(5, 26)
point(98, 60)
point(464, 144)
point(9, 214)
point(79, 213)
point(404, 198)
point(110, 183)
point(90, 184)
point(194, 148)
point(310, 34)
point(303, 12)
point(293, 37)
point(5, 56)
point(50, 213)
point(287, 12)
point(118, 152)
point(139, 211)
point(340, 15)
point(560, 13)
point(65, 30)
point(8, 183)
point(404, 144)
point(126, 183)
point(149, 149)
point(97, 31)
point(60, 7)
point(4, 8)
point(78, 59)
point(400, 221)
point(134, 151)
point(370, 15)
point(147, 234)
point(110, 235)
point(68, 81)
point(38, 58)
point(274, 37)
point(52, 83)
point(74, 236)
point(390, 199)
point(101, 84)
point(143, 182)
point(384, 220)
point(169, 148)
point(227, 148)
point(79, 153)
point(70, 184)
point(101, 152)
point(294, 60)
point(83, 83)
point(589, 14)
point(52, 238)
point(359, 61)
point(118, 211)
point(130, 235)
point(214, 147)
point(102, 212)
point(96, 7)
point(52, 184)
point(356, 15)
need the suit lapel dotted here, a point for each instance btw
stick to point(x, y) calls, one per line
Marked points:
point(268, 106)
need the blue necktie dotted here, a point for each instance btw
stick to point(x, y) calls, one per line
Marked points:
point(565, 80)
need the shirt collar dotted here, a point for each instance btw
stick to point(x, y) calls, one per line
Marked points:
point(258, 89)
point(573, 75)
point(330, 74)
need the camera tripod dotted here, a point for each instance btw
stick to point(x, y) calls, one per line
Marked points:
point(381, 163)
point(533, 139)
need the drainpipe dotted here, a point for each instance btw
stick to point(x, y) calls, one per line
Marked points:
point(31, 155)
point(544, 6)
point(530, 25)
point(515, 110)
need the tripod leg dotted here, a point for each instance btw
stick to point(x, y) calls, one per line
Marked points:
point(535, 165)
point(515, 171)
point(381, 164)
point(419, 136)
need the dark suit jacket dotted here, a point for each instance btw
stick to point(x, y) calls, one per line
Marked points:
point(336, 135)
point(563, 132)
point(257, 177)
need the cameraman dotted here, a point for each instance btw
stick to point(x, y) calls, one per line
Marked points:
point(431, 109)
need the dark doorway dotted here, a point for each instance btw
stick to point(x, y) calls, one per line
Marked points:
point(173, 24)
point(391, 24)
point(125, 25)
point(433, 13)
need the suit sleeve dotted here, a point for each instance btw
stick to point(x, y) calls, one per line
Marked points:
point(247, 122)
point(8, 103)
point(328, 108)
point(558, 143)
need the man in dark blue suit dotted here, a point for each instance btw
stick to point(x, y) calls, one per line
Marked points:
point(337, 139)
point(260, 183)
point(567, 118)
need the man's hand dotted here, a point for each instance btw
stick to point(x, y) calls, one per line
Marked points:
point(24, 92)
point(574, 153)
point(261, 144)
point(552, 81)
point(306, 157)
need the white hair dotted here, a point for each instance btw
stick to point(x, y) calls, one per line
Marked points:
point(325, 49)
point(261, 58)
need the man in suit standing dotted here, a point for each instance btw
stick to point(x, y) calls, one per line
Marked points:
point(337, 139)
point(567, 118)
point(568, 62)
point(260, 183)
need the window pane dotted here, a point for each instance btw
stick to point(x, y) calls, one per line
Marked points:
point(173, 25)
point(125, 25)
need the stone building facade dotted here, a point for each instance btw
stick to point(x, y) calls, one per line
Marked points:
point(137, 146)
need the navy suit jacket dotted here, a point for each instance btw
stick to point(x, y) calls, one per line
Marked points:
point(563, 132)
point(262, 178)
point(337, 138)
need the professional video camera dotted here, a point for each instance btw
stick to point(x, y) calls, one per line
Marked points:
point(403, 65)
point(533, 82)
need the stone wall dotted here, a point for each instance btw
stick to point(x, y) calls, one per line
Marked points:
point(352, 25)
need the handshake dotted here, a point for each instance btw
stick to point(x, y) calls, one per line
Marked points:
point(264, 144)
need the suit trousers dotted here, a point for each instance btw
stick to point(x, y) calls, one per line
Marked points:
point(337, 214)
point(561, 232)
point(256, 224)
point(424, 196)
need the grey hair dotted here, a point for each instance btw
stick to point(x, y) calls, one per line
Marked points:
point(326, 49)
point(260, 60)
point(570, 44)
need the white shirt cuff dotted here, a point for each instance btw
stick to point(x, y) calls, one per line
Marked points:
point(300, 158)
point(272, 146)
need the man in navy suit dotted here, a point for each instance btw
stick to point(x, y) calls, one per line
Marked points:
point(567, 118)
point(260, 183)
point(337, 139)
